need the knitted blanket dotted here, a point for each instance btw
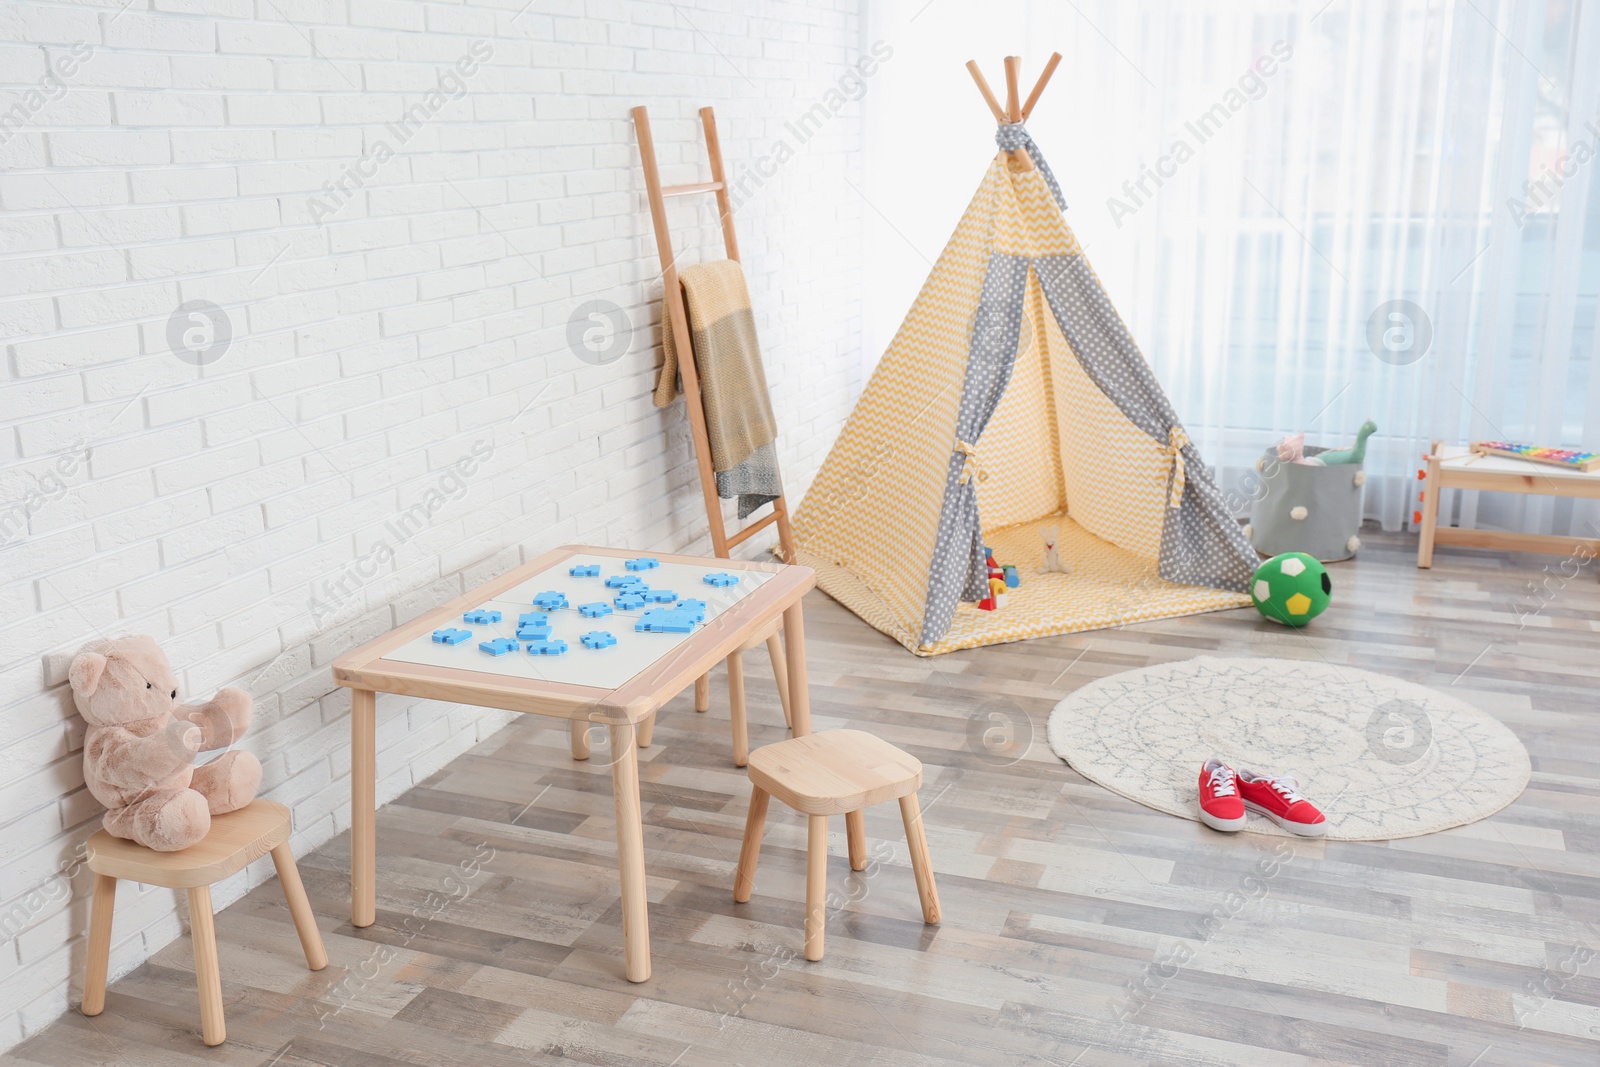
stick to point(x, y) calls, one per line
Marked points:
point(733, 385)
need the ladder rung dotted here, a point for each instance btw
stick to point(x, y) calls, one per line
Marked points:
point(686, 190)
point(749, 531)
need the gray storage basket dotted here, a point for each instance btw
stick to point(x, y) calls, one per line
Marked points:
point(1304, 508)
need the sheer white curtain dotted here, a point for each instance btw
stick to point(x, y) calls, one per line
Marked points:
point(1258, 184)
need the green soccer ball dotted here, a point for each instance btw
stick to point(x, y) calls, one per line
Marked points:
point(1292, 588)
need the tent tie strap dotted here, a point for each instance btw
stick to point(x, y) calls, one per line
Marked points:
point(970, 468)
point(1013, 136)
point(1177, 441)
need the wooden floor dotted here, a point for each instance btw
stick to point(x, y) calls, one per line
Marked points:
point(1079, 928)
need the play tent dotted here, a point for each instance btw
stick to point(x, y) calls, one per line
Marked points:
point(1013, 399)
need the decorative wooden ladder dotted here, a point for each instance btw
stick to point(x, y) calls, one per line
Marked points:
point(677, 320)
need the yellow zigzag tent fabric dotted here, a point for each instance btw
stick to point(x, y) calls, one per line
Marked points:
point(1011, 400)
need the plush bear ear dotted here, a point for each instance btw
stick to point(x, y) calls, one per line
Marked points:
point(84, 674)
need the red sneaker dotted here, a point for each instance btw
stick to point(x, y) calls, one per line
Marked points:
point(1220, 805)
point(1279, 799)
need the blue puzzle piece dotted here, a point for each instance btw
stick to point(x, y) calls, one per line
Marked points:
point(665, 621)
point(595, 610)
point(451, 636)
point(660, 596)
point(720, 578)
point(643, 563)
point(498, 647)
point(533, 633)
point(619, 581)
point(585, 570)
point(547, 648)
point(598, 639)
point(628, 601)
point(697, 608)
point(481, 616)
point(550, 600)
point(533, 618)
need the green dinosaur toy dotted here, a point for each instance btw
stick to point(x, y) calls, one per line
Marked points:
point(1351, 455)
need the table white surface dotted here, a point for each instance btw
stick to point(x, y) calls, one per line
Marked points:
point(606, 668)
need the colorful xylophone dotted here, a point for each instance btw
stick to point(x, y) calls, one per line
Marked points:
point(1571, 458)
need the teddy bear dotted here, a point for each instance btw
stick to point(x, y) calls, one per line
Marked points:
point(138, 754)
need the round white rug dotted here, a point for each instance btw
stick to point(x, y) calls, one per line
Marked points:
point(1383, 758)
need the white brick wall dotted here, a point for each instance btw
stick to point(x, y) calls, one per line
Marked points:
point(161, 151)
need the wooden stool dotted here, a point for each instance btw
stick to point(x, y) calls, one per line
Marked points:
point(840, 772)
point(235, 839)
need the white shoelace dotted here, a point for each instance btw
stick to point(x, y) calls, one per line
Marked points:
point(1222, 781)
point(1287, 788)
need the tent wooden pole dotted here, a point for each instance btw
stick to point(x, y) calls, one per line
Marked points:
point(1013, 75)
point(1038, 86)
point(988, 94)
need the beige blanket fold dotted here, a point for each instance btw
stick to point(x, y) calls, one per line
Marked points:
point(733, 384)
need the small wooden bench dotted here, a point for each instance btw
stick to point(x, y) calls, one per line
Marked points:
point(236, 839)
point(839, 772)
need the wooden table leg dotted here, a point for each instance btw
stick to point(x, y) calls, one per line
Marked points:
point(630, 851)
point(794, 637)
point(99, 953)
point(646, 730)
point(1430, 509)
point(702, 693)
point(207, 972)
point(363, 805)
point(736, 710)
point(580, 738)
point(780, 674)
